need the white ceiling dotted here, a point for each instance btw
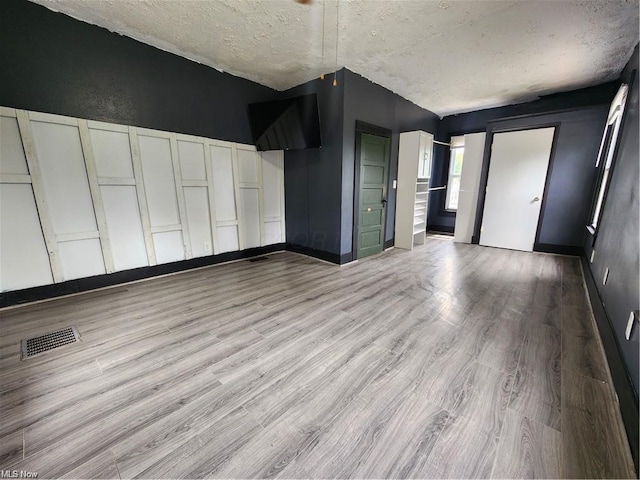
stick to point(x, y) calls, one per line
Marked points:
point(446, 56)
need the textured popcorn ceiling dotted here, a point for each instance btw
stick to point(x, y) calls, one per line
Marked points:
point(446, 56)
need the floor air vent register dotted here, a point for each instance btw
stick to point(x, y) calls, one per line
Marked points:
point(43, 343)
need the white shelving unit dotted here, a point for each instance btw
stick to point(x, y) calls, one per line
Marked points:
point(414, 174)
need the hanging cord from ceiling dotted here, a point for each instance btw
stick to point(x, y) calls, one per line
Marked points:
point(323, 21)
point(335, 73)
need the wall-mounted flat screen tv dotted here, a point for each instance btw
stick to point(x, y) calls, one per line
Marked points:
point(289, 124)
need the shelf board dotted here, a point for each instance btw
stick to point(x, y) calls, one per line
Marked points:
point(415, 232)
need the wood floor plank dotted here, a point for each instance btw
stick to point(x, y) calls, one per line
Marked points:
point(537, 382)
point(101, 466)
point(581, 350)
point(528, 449)
point(463, 451)
point(592, 449)
point(11, 448)
point(537, 396)
point(447, 361)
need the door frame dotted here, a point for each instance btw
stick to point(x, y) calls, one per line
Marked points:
point(363, 127)
point(486, 164)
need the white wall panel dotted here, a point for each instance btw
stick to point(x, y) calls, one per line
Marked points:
point(250, 208)
point(227, 239)
point(24, 261)
point(191, 160)
point(12, 159)
point(168, 246)
point(224, 194)
point(112, 153)
point(125, 227)
point(272, 233)
point(159, 197)
point(159, 183)
point(271, 184)
point(81, 258)
point(64, 177)
point(247, 166)
point(197, 205)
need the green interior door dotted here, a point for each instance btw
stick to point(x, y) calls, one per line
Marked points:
point(372, 208)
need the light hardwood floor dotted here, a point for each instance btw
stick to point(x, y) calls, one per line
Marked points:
point(448, 361)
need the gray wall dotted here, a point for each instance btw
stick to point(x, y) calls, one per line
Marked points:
point(312, 177)
point(617, 244)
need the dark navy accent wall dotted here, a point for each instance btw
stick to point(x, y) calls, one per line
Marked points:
point(312, 177)
point(571, 171)
point(617, 247)
point(319, 183)
point(53, 63)
point(575, 142)
point(371, 103)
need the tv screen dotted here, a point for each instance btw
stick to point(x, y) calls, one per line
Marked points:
point(290, 124)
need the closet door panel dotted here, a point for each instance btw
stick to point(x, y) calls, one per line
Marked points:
point(12, 159)
point(24, 261)
point(81, 258)
point(64, 177)
point(125, 227)
point(272, 233)
point(224, 194)
point(159, 183)
point(250, 207)
point(168, 246)
point(197, 205)
point(272, 194)
point(191, 160)
point(112, 153)
point(227, 239)
point(247, 166)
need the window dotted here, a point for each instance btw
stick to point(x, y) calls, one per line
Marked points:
point(455, 171)
point(605, 156)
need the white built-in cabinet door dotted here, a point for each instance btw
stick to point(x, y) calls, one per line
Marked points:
point(24, 261)
point(273, 197)
point(112, 152)
point(64, 181)
point(225, 197)
point(250, 184)
point(193, 168)
point(81, 198)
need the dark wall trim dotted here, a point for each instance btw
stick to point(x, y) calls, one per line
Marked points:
point(492, 129)
point(558, 249)
point(314, 252)
point(346, 258)
point(91, 283)
point(389, 243)
point(440, 229)
point(372, 129)
point(621, 379)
